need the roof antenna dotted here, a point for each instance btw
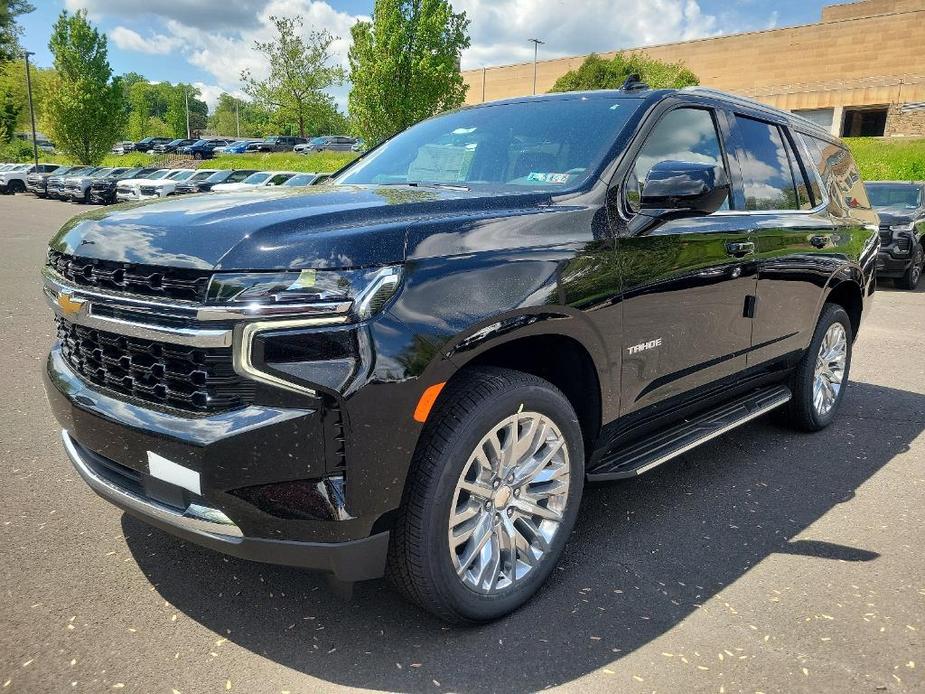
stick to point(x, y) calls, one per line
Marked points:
point(633, 82)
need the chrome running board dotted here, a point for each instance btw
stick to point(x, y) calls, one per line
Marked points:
point(666, 444)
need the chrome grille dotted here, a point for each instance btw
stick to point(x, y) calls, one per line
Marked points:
point(187, 378)
point(172, 283)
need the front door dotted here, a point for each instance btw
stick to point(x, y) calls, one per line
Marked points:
point(687, 283)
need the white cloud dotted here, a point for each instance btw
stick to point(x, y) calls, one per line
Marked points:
point(154, 44)
point(500, 29)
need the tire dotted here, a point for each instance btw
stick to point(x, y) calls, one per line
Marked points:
point(911, 279)
point(17, 186)
point(197, 156)
point(803, 411)
point(421, 564)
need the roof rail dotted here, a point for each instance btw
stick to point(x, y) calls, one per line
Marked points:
point(745, 101)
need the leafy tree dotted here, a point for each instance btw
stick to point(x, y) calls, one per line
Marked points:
point(404, 65)
point(9, 29)
point(85, 109)
point(300, 72)
point(598, 73)
point(253, 118)
point(175, 115)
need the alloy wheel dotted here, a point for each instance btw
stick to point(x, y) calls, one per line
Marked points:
point(830, 369)
point(509, 502)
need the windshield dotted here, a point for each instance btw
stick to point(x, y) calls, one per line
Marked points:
point(898, 195)
point(271, 139)
point(219, 176)
point(300, 180)
point(182, 175)
point(257, 177)
point(554, 144)
point(202, 175)
point(159, 174)
point(131, 173)
point(101, 172)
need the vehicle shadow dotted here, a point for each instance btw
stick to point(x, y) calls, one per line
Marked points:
point(645, 554)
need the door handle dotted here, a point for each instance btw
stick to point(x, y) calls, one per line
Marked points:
point(740, 248)
point(820, 241)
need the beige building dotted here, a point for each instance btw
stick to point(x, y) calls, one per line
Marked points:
point(859, 71)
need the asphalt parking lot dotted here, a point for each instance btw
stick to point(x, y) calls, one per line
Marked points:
point(763, 561)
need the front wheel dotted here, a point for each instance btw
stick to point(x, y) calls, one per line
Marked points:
point(491, 497)
point(819, 382)
point(911, 279)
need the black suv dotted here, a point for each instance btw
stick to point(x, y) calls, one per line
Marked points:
point(413, 368)
point(901, 206)
point(149, 143)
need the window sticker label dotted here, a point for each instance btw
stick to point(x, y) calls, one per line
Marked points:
point(551, 178)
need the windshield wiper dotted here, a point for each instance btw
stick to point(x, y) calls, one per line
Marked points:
point(447, 186)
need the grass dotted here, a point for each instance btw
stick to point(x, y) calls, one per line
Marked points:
point(319, 162)
point(895, 159)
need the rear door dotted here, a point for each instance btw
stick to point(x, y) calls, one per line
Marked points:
point(797, 244)
point(686, 281)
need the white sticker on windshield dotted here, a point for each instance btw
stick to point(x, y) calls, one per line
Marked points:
point(552, 178)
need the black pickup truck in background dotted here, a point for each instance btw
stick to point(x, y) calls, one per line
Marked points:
point(901, 207)
point(412, 369)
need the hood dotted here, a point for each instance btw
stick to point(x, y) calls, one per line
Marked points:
point(324, 227)
point(896, 215)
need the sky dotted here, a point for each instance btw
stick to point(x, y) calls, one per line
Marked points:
point(209, 42)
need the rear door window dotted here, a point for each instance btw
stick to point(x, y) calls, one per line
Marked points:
point(766, 168)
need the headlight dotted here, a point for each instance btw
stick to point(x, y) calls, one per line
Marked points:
point(368, 289)
point(902, 227)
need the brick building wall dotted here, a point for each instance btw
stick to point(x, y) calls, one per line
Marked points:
point(906, 120)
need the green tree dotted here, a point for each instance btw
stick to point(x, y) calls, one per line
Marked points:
point(598, 73)
point(404, 65)
point(139, 107)
point(175, 116)
point(85, 110)
point(301, 70)
point(254, 120)
point(9, 29)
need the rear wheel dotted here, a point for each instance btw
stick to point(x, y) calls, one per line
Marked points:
point(819, 382)
point(491, 496)
point(911, 279)
point(17, 186)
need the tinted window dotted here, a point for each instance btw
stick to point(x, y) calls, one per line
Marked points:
point(279, 179)
point(685, 134)
point(839, 173)
point(766, 172)
point(547, 144)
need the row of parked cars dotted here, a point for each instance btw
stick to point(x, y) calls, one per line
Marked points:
point(206, 148)
point(105, 185)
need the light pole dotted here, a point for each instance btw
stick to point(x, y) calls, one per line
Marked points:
point(186, 97)
point(35, 145)
point(536, 46)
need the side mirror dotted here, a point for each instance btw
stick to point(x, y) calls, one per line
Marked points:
point(682, 188)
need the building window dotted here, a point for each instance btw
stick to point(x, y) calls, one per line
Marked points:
point(864, 122)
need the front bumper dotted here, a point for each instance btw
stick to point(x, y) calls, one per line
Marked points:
point(890, 266)
point(228, 451)
point(350, 561)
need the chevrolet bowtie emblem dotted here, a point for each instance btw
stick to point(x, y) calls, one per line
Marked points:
point(70, 305)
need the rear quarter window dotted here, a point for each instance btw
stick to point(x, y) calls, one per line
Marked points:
point(839, 173)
